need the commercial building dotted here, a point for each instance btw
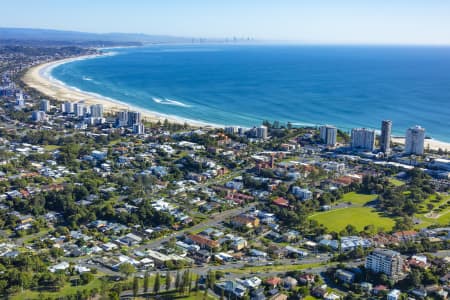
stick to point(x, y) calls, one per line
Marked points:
point(44, 105)
point(385, 261)
point(328, 134)
point(363, 139)
point(385, 138)
point(415, 139)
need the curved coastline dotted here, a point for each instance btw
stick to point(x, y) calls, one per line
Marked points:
point(39, 77)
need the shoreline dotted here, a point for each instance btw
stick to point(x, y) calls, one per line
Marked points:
point(39, 78)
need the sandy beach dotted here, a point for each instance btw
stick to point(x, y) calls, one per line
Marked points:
point(39, 78)
point(429, 143)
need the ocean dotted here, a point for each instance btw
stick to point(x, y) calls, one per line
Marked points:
point(346, 86)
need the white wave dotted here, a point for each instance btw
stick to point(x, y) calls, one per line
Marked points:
point(170, 102)
point(87, 78)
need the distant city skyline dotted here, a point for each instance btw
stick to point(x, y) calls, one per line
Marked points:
point(314, 22)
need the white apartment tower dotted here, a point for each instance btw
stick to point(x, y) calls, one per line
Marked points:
point(79, 109)
point(44, 105)
point(122, 118)
point(38, 116)
point(328, 134)
point(415, 139)
point(134, 117)
point(20, 101)
point(261, 132)
point(96, 111)
point(67, 107)
point(138, 128)
point(385, 261)
point(363, 139)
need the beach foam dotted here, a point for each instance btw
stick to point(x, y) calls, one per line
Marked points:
point(169, 102)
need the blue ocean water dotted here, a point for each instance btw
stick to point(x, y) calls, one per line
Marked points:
point(347, 86)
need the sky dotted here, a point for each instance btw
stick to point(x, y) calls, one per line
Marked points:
point(424, 22)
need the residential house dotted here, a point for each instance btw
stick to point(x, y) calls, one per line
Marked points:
point(345, 276)
point(203, 241)
point(245, 221)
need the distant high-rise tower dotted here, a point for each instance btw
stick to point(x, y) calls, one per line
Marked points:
point(328, 134)
point(67, 107)
point(122, 118)
point(385, 139)
point(96, 111)
point(38, 116)
point(138, 128)
point(45, 105)
point(261, 132)
point(363, 138)
point(134, 117)
point(415, 139)
point(79, 109)
point(20, 101)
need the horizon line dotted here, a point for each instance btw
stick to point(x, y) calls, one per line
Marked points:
point(248, 39)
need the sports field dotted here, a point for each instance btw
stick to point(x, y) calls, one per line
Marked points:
point(357, 215)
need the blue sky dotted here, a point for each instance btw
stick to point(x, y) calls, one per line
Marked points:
point(313, 21)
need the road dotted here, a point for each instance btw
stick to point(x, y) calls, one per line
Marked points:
point(215, 219)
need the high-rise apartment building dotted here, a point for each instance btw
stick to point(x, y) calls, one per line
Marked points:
point(415, 140)
point(328, 134)
point(385, 138)
point(96, 111)
point(363, 139)
point(44, 105)
point(385, 261)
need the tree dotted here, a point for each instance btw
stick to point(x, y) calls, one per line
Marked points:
point(177, 280)
point(146, 282)
point(135, 287)
point(211, 278)
point(86, 277)
point(157, 284)
point(196, 283)
point(168, 281)
point(127, 269)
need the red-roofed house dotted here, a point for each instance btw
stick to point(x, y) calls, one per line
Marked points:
point(404, 236)
point(280, 201)
point(203, 241)
point(273, 282)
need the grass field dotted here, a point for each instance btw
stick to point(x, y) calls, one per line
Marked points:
point(338, 219)
point(51, 147)
point(396, 182)
point(68, 289)
point(358, 215)
point(357, 198)
point(444, 214)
